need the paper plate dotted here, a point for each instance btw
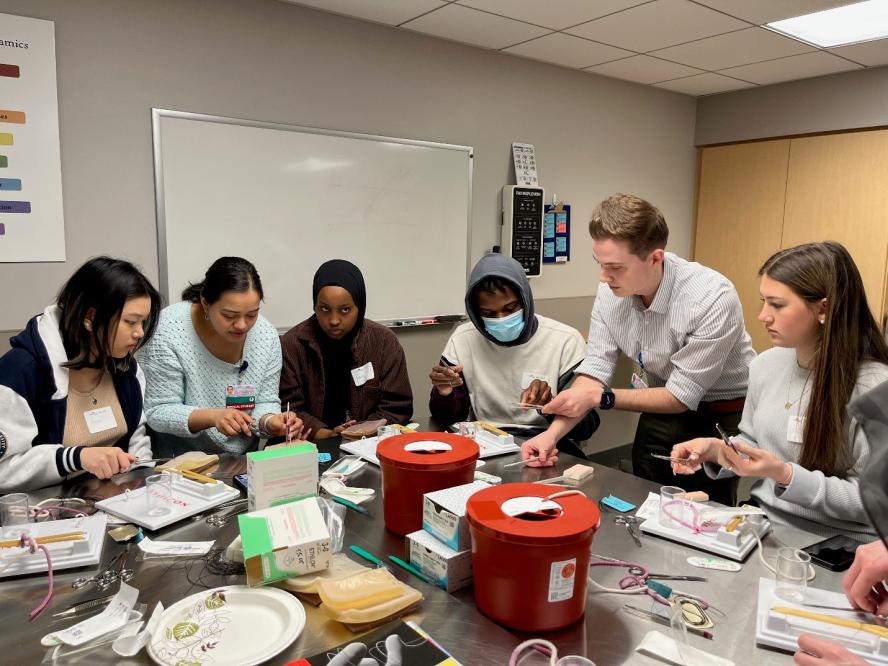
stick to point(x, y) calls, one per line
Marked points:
point(234, 625)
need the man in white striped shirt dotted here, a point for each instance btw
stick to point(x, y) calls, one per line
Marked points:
point(682, 325)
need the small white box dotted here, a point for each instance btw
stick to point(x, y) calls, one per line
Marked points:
point(451, 570)
point(284, 541)
point(280, 475)
point(444, 514)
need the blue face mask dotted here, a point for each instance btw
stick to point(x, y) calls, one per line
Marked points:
point(505, 329)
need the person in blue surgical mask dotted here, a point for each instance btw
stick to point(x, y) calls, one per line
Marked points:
point(506, 359)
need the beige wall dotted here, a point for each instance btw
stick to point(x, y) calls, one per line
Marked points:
point(269, 60)
point(828, 103)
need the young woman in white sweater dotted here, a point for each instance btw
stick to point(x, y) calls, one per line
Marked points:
point(796, 435)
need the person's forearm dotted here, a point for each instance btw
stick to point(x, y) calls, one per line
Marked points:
point(652, 400)
point(201, 419)
point(562, 425)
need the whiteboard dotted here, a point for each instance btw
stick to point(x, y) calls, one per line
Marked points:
point(289, 198)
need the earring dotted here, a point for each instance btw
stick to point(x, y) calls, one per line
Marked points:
point(88, 325)
point(822, 321)
point(207, 316)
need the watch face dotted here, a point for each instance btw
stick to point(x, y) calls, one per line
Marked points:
point(608, 399)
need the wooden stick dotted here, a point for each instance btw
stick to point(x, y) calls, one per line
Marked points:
point(194, 476)
point(51, 538)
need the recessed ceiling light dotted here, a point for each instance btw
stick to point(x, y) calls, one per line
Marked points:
point(858, 22)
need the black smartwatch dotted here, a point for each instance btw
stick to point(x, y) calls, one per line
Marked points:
point(608, 399)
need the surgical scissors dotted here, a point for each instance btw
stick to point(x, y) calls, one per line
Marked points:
point(631, 523)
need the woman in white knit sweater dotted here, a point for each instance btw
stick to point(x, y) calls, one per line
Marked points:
point(796, 435)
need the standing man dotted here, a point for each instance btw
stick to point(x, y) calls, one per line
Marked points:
point(682, 325)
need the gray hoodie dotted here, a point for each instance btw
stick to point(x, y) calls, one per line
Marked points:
point(501, 266)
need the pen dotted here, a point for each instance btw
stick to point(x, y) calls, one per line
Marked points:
point(656, 617)
point(360, 552)
point(411, 569)
point(351, 505)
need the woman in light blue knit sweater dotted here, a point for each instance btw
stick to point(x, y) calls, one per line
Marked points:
point(796, 435)
point(213, 367)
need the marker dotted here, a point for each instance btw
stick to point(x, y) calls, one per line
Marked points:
point(351, 505)
point(360, 552)
point(411, 569)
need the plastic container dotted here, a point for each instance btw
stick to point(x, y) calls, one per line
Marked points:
point(531, 558)
point(416, 463)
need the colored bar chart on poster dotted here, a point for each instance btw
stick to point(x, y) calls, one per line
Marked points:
point(32, 227)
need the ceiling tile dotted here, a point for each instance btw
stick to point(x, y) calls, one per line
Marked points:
point(734, 49)
point(567, 50)
point(871, 54)
point(765, 11)
point(643, 28)
point(643, 69)
point(392, 12)
point(704, 84)
point(556, 15)
point(792, 68)
point(471, 26)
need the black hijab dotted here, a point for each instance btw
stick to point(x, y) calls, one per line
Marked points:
point(337, 354)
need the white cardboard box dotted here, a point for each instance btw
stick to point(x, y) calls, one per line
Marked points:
point(451, 570)
point(280, 475)
point(444, 514)
point(284, 541)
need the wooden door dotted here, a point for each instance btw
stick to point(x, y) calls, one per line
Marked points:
point(740, 202)
point(838, 190)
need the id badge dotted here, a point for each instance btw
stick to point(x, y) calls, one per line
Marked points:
point(795, 429)
point(240, 396)
point(638, 381)
point(100, 420)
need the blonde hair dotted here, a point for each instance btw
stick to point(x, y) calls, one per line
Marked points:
point(629, 218)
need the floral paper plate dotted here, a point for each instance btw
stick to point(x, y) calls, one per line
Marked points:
point(233, 625)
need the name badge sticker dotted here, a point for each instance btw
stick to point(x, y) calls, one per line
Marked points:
point(100, 420)
point(363, 374)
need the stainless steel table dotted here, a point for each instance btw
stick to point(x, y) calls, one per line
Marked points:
point(606, 634)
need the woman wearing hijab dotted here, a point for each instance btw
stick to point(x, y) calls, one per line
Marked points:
point(338, 367)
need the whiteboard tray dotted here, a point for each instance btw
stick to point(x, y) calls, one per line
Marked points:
point(188, 498)
point(488, 447)
point(65, 555)
point(733, 545)
point(781, 631)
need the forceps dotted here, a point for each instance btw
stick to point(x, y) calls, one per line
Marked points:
point(638, 571)
point(631, 524)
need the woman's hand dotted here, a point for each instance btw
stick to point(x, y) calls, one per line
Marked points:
point(105, 461)
point(348, 424)
point(695, 452)
point(753, 462)
point(232, 422)
point(280, 425)
point(445, 378)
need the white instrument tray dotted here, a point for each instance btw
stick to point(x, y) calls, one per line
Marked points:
point(66, 554)
point(733, 545)
point(488, 443)
point(188, 498)
point(782, 631)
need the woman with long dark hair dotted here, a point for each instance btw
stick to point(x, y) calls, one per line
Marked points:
point(214, 366)
point(70, 391)
point(796, 434)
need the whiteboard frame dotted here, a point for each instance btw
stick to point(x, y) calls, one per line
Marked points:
point(157, 115)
